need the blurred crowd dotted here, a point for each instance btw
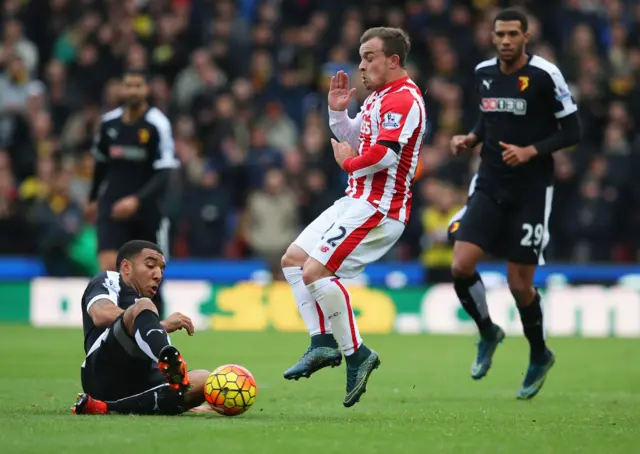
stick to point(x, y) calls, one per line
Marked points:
point(244, 83)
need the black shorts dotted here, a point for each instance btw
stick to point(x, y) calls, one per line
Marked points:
point(113, 234)
point(514, 229)
point(115, 366)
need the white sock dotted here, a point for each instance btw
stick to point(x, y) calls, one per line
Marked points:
point(334, 299)
point(310, 311)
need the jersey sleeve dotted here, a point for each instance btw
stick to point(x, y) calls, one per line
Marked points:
point(103, 286)
point(560, 94)
point(345, 128)
point(400, 116)
point(165, 148)
point(100, 146)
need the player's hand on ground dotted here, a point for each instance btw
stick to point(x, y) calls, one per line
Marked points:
point(125, 207)
point(342, 151)
point(514, 155)
point(462, 143)
point(178, 321)
point(91, 212)
point(339, 93)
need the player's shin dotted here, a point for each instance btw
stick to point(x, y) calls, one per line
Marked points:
point(335, 301)
point(159, 400)
point(472, 296)
point(532, 322)
point(314, 318)
point(149, 334)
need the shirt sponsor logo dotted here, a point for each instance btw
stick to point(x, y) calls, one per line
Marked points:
point(128, 152)
point(510, 105)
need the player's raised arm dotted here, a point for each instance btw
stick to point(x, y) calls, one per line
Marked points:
point(346, 129)
point(400, 115)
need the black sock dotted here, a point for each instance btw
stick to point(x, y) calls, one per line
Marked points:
point(324, 340)
point(531, 317)
point(472, 296)
point(159, 400)
point(358, 356)
point(149, 334)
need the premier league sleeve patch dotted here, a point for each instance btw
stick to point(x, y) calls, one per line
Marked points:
point(391, 120)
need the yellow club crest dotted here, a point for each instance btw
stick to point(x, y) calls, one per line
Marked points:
point(143, 136)
point(523, 82)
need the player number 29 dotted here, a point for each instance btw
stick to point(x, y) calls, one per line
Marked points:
point(532, 235)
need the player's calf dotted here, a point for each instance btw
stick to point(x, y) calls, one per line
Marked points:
point(160, 400)
point(324, 350)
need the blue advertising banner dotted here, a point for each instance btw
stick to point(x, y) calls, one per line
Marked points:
point(388, 274)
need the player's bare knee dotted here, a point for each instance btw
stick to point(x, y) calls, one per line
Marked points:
point(132, 312)
point(462, 270)
point(313, 271)
point(465, 260)
point(521, 289)
point(294, 256)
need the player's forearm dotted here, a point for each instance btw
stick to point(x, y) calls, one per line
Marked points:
point(377, 158)
point(478, 129)
point(100, 170)
point(346, 129)
point(106, 315)
point(566, 136)
point(155, 186)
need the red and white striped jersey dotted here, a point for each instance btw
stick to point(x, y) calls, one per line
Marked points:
point(391, 125)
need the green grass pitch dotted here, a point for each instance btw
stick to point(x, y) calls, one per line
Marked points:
point(421, 400)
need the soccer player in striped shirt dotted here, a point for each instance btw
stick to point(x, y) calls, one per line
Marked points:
point(379, 149)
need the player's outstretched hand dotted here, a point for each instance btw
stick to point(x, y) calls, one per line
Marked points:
point(514, 155)
point(125, 207)
point(91, 212)
point(178, 321)
point(462, 143)
point(342, 151)
point(339, 93)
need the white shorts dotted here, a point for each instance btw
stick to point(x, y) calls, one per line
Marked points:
point(349, 235)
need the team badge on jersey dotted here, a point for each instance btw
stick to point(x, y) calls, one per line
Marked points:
point(454, 227)
point(391, 120)
point(523, 82)
point(143, 136)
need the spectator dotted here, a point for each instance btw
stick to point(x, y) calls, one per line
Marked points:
point(58, 219)
point(245, 86)
point(271, 220)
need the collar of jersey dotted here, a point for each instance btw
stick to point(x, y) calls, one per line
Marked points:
point(393, 84)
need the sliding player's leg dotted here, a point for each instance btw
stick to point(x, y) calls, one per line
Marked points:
point(157, 399)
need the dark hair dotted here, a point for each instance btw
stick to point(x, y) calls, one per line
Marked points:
point(133, 248)
point(513, 14)
point(136, 72)
point(394, 41)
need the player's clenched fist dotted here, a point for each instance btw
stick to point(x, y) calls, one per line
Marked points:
point(462, 143)
point(342, 151)
point(178, 321)
point(339, 93)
